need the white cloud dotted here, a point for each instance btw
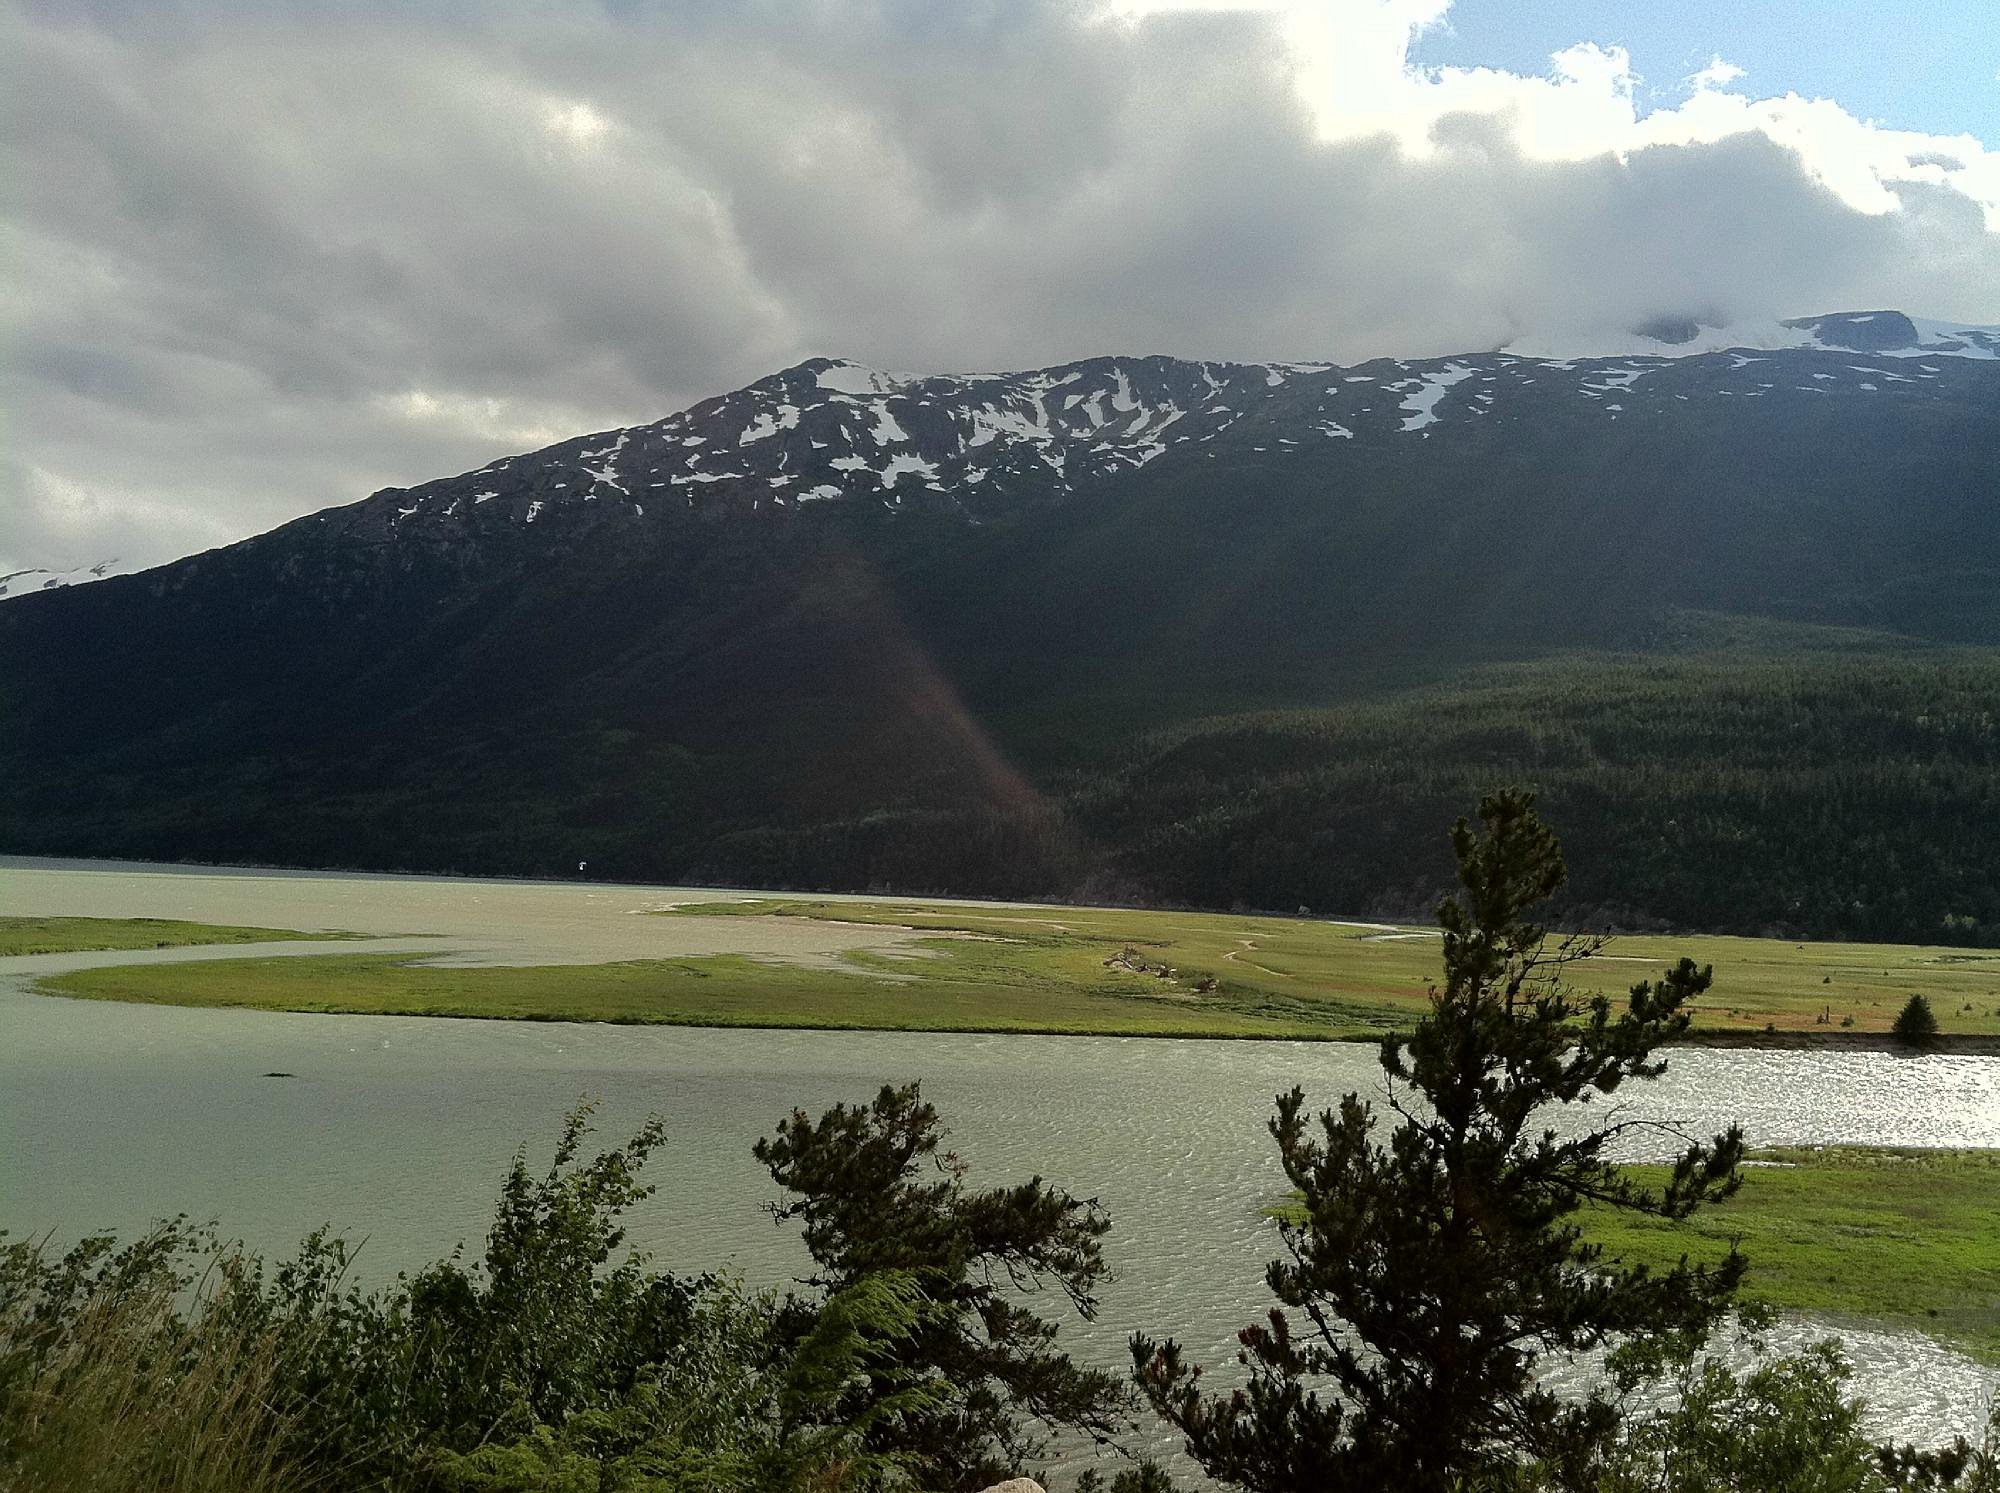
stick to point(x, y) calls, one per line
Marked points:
point(103, 520)
point(575, 121)
point(1718, 74)
point(491, 421)
point(263, 261)
point(1585, 107)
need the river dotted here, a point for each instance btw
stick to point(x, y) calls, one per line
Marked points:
point(396, 1129)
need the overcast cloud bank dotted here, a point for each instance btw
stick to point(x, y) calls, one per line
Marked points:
point(268, 258)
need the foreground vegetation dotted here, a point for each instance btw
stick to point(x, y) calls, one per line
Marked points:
point(1085, 971)
point(556, 1361)
point(555, 1364)
point(1437, 1263)
point(78, 935)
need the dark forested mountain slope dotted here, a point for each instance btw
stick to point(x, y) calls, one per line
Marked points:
point(846, 628)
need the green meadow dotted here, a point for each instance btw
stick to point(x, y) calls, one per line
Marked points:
point(997, 968)
point(81, 935)
point(1323, 974)
point(1905, 1239)
point(1908, 1238)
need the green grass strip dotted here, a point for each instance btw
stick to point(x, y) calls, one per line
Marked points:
point(1903, 1239)
point(878, 993)
point(85, 935)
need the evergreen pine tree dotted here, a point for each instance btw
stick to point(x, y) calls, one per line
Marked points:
point(1916, 1024)
point(1432, 1276)
point(875, 1198)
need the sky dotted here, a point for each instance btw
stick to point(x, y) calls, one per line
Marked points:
point(264, 256)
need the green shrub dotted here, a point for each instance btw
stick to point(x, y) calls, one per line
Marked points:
point(1915, 1023)
point(1786, 1425)
point(554, 1362)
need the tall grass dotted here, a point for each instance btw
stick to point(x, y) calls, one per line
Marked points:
point(119, 1376)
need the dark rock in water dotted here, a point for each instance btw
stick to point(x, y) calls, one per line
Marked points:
point(281, 1075)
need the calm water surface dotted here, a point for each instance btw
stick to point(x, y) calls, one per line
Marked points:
point(396, 1129)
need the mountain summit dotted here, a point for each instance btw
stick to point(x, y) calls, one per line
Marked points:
point(985, 445)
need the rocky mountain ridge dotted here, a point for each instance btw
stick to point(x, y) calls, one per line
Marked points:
point(986, 446)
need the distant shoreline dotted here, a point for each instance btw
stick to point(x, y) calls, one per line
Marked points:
point(1832, 1043)
point(904, 966)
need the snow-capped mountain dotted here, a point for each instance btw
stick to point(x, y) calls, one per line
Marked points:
point(1889, 333)
point(985, 446)
point(981, 445)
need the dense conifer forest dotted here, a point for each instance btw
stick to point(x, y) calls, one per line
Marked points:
point(1809, 793)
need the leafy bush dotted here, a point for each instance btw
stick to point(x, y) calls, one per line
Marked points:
point(1786, 1425)
point(728, 1413)
point(546, 1327)
point(554, 1363)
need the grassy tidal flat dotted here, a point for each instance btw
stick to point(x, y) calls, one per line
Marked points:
point(1900, 1238)
point(1909, 1238)
point(1082, 970)
point(23, 936)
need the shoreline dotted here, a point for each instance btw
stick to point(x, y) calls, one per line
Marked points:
point(725, 891)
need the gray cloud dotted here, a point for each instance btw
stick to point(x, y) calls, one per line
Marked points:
point(265, 259)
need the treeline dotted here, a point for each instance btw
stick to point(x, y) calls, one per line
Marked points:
point(1817, 796)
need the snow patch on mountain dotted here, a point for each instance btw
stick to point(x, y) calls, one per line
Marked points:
point(606, 472)
point(1421, 406)
point(898, 465)
point(886, 429)
point(1956, 340)
point(840, 377)
point(18, 583)
point(768, 423)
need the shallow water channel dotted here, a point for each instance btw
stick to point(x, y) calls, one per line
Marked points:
point(396, 1129)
